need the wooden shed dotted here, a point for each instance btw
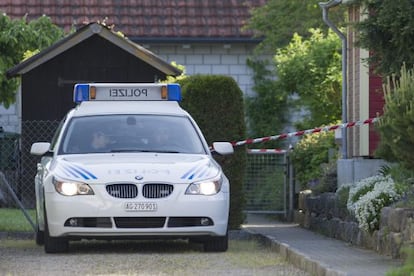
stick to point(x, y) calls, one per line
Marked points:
point(92, 54)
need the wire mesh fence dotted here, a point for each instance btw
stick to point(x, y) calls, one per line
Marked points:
point(18, 165)
point(265, 186)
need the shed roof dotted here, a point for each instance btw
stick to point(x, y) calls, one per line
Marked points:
point(84, 33)
point(147, 20)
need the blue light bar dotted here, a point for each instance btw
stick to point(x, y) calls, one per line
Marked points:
point(174, 92)
point(126, 92)
point(81, 92)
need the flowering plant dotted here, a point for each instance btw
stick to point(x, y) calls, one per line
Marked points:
point(368, 196)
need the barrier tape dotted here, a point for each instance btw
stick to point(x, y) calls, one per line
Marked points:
point(303, 132)
point(271, 151)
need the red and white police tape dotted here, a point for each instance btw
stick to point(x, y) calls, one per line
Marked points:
point(302, 132)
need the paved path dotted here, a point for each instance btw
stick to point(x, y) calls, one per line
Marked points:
point(315, 253)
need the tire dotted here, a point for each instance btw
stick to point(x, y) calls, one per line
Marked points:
point(39, 236)
point(52, 244)
point(216, 244)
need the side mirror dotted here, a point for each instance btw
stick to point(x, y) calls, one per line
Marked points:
point(223, 148)
point(39, 148)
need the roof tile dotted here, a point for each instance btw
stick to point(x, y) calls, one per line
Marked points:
point(144, 18)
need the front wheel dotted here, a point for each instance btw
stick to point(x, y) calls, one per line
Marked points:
point(216, 244)
point(40, 236)
point(52, 244)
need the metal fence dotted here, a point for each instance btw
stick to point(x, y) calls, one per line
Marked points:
point(266, 186)
point(19, 166)
point(266, 182)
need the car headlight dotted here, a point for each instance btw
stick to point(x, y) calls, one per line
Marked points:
point(207, 187)
point(69, 188)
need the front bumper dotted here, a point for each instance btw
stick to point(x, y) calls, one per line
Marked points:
point(101, 215)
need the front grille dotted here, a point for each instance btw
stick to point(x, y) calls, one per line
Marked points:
point(139, 222)
point(122, 190)
point(157, 190)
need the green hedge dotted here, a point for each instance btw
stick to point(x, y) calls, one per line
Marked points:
point(216, 103)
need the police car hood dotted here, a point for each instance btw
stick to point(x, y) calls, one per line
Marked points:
point(144, 167)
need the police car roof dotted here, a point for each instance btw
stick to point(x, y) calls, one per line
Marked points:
point(128, 107)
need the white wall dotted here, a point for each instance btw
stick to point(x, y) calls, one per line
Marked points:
point(221, 59)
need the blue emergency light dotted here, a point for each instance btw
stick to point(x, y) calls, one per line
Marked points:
point(126, 92)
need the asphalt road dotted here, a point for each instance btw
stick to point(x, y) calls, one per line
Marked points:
point(244, 257)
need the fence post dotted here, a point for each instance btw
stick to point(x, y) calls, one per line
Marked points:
point(291, 185)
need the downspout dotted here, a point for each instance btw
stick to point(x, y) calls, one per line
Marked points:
point(325, 7)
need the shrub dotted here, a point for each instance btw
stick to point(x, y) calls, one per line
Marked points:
point(368, 196)
point(216, 103)
point(308, 157)
point(396, 124)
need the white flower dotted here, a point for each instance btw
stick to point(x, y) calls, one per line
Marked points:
point(368, 196)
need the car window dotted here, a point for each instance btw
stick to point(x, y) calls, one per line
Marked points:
point(130, 133)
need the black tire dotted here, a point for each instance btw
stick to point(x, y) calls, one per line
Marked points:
point(52, 244)
point(216, 244)
point(39, 236)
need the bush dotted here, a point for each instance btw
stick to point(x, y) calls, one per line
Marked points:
point(368, 196)
point(216, 103)
point(308, 158)
point(396, 126)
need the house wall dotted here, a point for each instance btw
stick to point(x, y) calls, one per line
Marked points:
point(358, 93)
point(221, 59)
point(365, 100)
point(10, 117)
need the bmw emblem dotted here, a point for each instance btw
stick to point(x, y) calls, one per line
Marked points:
point(139, 177)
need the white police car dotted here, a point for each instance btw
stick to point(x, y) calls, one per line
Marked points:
point(129, 162)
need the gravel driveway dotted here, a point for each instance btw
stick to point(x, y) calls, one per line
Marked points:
point(244, 257)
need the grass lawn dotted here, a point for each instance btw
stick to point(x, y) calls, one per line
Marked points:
point(13, 220)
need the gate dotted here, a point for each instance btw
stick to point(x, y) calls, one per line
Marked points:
point(268, 187)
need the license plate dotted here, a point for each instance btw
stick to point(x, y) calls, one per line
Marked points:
point(141, 206)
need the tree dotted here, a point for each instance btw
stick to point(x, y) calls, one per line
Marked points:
point(278, 20)
point(312, 69)
point(387, 32)
point(267, 111)
point(17, 38)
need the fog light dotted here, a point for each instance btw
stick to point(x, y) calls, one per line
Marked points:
point(73, 222)
point(205, 221)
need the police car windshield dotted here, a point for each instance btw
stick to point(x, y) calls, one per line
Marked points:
point(130, 133)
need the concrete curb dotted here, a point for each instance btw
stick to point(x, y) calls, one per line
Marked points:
point(295, 257)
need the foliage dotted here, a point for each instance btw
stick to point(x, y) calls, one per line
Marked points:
point(396, 126)
point(174, 79)
point(267, 110)
point(308, 156)
point(216, 103)
point(342, 194)
point(277, 20)
point(312, 69)
point(16, 38)
point(407, 269)
point(368, 196)
point(328, 180)
point(387, 32)
point(404, 184)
